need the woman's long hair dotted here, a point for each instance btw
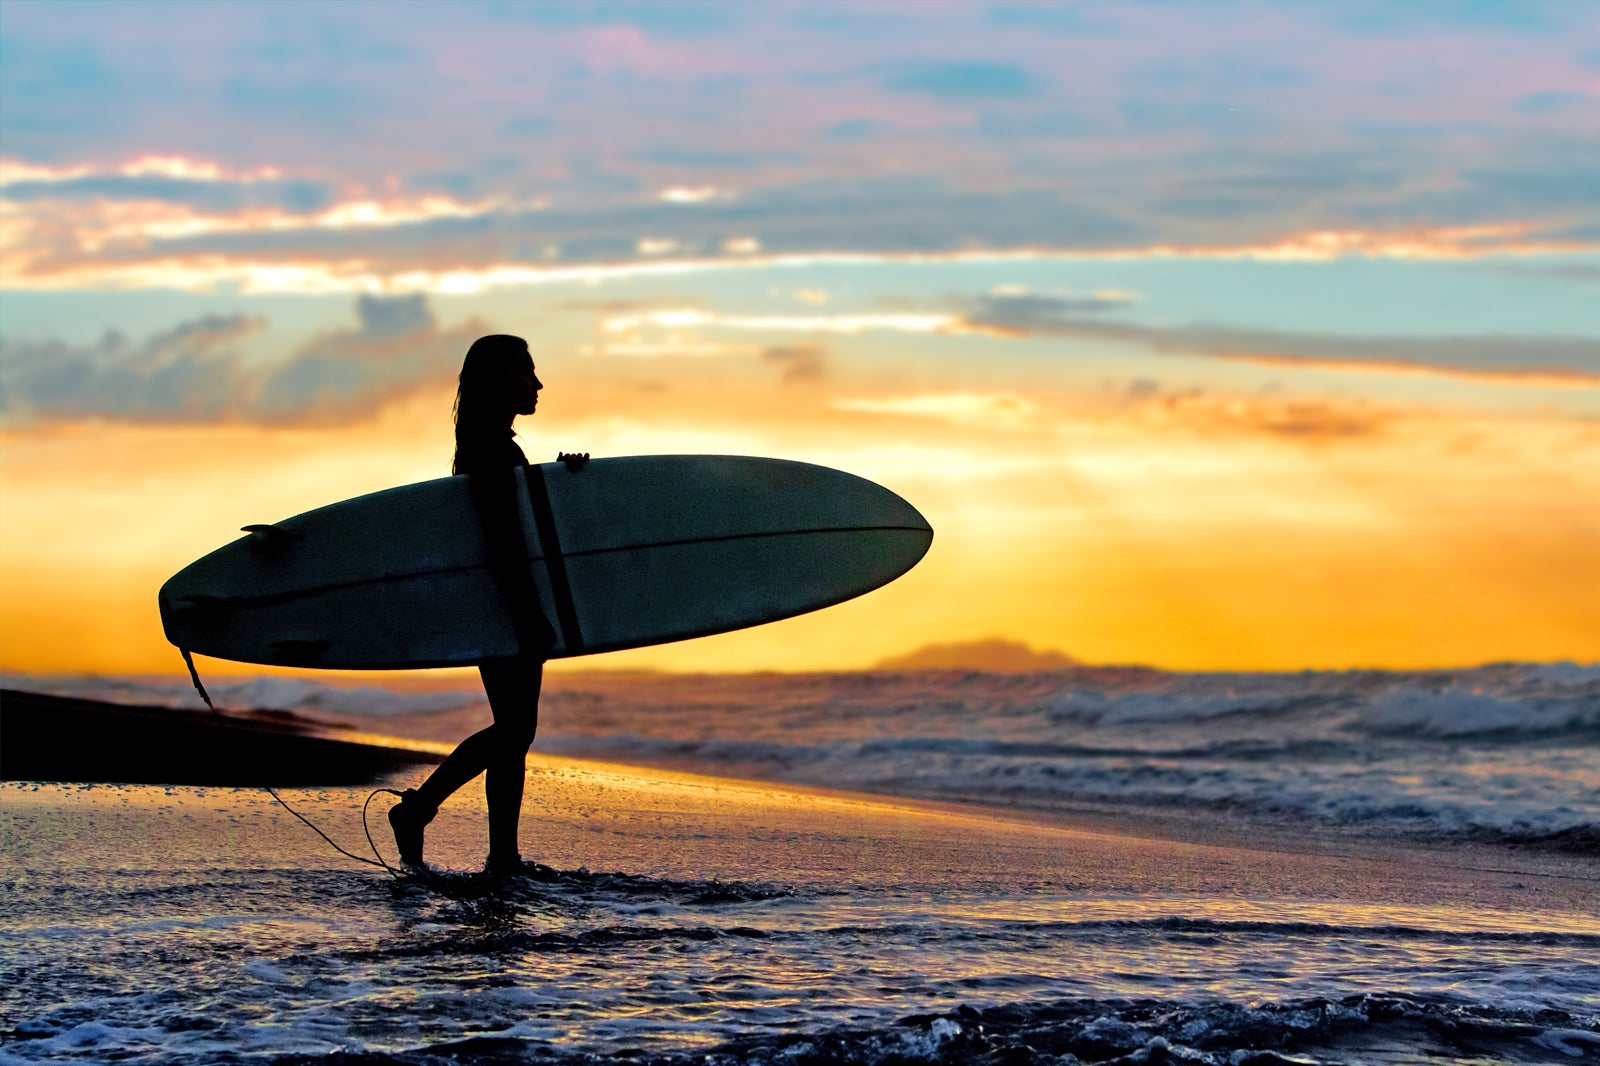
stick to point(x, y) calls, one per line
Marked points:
point(482, 410)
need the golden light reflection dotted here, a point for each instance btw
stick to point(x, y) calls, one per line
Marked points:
point(1195, 539)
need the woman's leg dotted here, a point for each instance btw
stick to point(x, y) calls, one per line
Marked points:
point(513, 686)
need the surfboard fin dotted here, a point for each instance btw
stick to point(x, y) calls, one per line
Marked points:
point(268, 536)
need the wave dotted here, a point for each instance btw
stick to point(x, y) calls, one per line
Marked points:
point(1375, 1027)
point(1507, 753)
point(1529, 798)
point(1461, 714)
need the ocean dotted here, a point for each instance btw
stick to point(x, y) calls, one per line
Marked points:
point(1089, 865)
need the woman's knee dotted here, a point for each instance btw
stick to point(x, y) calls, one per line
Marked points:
point(516, 736)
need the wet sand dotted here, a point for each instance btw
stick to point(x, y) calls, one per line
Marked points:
point(672, 825)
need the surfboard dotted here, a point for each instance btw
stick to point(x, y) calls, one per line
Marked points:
point(625, 552)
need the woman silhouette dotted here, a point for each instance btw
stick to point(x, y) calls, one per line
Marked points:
point(497, 384)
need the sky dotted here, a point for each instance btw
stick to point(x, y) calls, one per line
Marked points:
point(1256, 336)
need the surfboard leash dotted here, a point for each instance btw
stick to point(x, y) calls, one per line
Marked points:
point(194, 675)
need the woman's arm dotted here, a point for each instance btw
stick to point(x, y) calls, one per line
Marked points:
point(494, 497)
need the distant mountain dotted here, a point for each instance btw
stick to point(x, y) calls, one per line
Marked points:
point(993, 655)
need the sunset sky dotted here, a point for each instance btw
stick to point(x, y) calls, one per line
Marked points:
point(1208, 336)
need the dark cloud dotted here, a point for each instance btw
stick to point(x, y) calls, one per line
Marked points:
point(665, 20)
point(799, 362)
point(335, 102)
point(436, 95)
point(1056, 18)
point(1582, 273)
point(690, 158)
point(1025, 313)
point(193, 372)
point(1308, 420)
point(1174, 112)
point(965, 81)
point(855, 129)
point(530, 125)
point(348, 374)
point(1058, 198)
point(43, 87)
point(458, 184)
point(1555, 103)
point(627, 305)
point(1055, 124)
point(394, 316)
point(1483, 354)
point(199, 372)
point(1432, 16)
point(217, 196)
point(910, 215)
point(1222, 186)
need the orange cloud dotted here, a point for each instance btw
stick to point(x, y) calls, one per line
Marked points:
point(991, 410)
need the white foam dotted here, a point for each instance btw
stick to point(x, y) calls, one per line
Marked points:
point(1460, 714)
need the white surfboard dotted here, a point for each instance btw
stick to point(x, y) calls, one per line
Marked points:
point(625, 552)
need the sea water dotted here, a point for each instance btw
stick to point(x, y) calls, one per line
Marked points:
point(1356, 867)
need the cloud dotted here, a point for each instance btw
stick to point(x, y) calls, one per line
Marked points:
point(1583, 273)
point(671, 20)
point(800, 362)
point(1055, 124)
point(1055, 18)
point(200, 372)
point(1485, 355)
point(394, 316)
point(293, 196)
point(1309, 420)
point(855, 129)
point(1025, 312)
point(192, 372)
point(689, 158)
point(678, 318)
point(986, 410)
point(1432, 16)
point(965, 81)
point(1552, 102)
point(201, 225)
point(589, 104)
point(175, 214)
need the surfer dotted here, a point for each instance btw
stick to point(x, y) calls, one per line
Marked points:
point(497, 384)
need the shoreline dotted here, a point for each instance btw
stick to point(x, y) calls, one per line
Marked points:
point(60, 738)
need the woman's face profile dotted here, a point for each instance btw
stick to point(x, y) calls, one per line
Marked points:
point(524, 386)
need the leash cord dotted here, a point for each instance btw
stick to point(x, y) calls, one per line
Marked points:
point(194, 675)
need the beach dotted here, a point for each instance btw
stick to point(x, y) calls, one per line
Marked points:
point(1019, 533)
point(679, 918)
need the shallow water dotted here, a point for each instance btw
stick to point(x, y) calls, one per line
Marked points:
point(174, 925)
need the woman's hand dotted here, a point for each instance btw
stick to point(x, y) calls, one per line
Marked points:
point(574, 460)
